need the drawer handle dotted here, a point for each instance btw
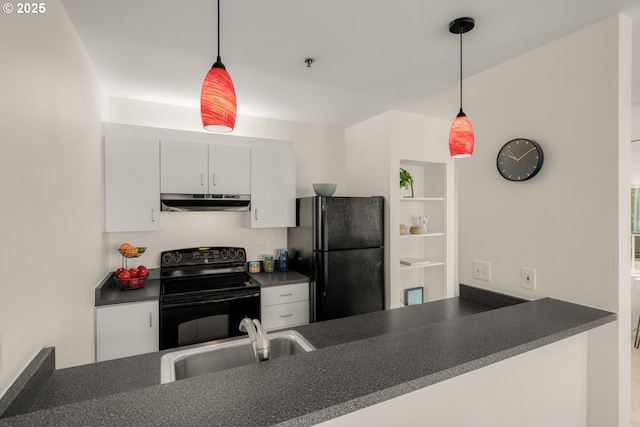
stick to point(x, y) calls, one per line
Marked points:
point(286, 315)
point(286, 295)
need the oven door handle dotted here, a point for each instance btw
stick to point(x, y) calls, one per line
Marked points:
point(206, 301)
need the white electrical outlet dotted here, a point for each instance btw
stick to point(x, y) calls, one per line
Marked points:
point(528, 278)
point(482, 270)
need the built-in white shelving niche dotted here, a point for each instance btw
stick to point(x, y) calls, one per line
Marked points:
point(429, 191)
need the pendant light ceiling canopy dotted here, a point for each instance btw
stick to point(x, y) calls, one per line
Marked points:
point(461, 137)
point(218, 96)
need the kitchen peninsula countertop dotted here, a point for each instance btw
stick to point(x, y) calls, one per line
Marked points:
point(414, 346)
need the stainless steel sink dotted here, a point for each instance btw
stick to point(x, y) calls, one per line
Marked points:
point(219, 356)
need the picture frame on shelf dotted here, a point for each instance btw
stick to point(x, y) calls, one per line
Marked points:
point(407, 192)
point(406, 184)
point(413, 296)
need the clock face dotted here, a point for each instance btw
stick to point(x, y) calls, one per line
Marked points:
point(519, 159)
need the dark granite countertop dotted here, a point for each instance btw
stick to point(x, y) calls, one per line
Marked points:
point(278, 278)
point(414, 346)
point(108, 292)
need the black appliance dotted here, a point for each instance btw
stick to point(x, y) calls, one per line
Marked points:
point(339, 243)
point(204, 294)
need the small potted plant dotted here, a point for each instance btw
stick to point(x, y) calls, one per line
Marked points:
point(406, 183)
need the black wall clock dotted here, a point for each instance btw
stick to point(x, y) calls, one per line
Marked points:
point(519, 159)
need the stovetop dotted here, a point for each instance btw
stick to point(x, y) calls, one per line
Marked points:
point(204, 272)
point(207, 285)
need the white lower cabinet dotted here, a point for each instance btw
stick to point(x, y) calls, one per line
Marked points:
point(126, 330)
point(284, 306)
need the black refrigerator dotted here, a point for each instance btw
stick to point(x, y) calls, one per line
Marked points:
point(338, 242)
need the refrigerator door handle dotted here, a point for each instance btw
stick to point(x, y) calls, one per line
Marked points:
point(324, 233)
point(325, 273)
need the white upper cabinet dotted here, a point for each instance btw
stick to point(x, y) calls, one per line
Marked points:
point(132, 183)
point(201, 168)
point(273, 188)
point(184, 167)
point(229, 169)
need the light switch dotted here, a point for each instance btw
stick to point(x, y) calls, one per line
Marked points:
point(528, 278)
point(482, 270)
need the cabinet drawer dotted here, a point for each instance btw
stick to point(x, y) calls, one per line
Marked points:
point(284, 294)
point(281, 315)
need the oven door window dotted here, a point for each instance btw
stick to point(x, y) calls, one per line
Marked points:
point(203, 329)
point(196, 322)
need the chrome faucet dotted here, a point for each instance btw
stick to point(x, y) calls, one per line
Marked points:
point(258, 337)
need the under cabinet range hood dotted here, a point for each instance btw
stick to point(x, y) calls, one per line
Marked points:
point(204, 202)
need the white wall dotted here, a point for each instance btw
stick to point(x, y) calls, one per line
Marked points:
point(53, 250)
point(319, 154)
point(500, 395)
point(571, 221)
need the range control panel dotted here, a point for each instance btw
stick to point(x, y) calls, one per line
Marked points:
point(202, 256)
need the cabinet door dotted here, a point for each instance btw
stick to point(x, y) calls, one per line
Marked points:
point(229, 169)
point(183, 167)
point(126, 330)
point(273, 188)
point(132, 183)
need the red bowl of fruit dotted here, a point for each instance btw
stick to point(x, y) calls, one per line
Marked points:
point(132, 278)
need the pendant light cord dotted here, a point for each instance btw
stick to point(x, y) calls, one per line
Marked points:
point(218, 30)
point(460, 67)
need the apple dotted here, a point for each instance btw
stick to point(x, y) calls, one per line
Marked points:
point(120, 270)
point(133, 272)
point(124, 275)
point(143, 271)
point(134, 282)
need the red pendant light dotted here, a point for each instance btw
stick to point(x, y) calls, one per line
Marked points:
point(218, 97)
point(461, 137)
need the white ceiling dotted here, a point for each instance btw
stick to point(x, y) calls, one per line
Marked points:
point(370, 55)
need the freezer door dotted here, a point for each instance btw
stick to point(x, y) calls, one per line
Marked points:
point(349, 282)
point(349, 222)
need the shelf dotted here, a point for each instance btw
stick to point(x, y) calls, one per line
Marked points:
point(413, 267)
point(422, 199)
point(433, 193)
point(409, 236)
